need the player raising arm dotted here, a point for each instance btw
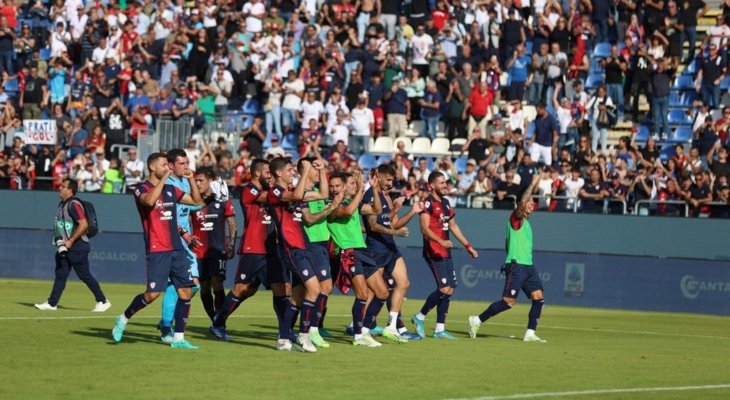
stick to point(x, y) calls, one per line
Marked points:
point(519, 270)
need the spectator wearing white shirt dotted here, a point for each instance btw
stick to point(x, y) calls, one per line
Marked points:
point(573, 187)
point(421, 43)
point(293, 93)
point(310, 109)
point(88, 178)
point(133, 170)
point(335, 104)
point(339, 131)
point(466, 179)
point(363, 127)
point(254, 11)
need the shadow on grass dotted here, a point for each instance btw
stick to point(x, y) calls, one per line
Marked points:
point(106, 334)
point(203, 333)
point(336, 338)
point(60, 307)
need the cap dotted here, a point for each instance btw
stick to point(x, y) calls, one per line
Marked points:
point(614, 175)
point(724, 186)
point(274, 138)
point(361, 101)
point(497, 117)
point(221, 28)
point(472, 162)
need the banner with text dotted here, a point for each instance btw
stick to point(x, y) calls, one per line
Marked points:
point(39, 131)
point(584, 280)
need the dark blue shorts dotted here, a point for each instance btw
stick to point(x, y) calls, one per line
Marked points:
point(443, 272)
point(251, 269)
point(319, 254)
point(385, 256)
point(212, 268)
point(359, 262)
point(173, 265)
point(276, 271)
point(520, 277)
point(299, 263)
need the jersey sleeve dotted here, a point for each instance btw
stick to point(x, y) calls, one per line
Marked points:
point(275, 195)
point(249, 195)
point(428, 206)
point(230, 210)
point(178, 193)
point(76, 211)
point(367, 198)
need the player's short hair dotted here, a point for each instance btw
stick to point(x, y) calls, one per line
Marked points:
point(386, 169)
point(73, 185)
point(300, 163)
point(278, 164)
point(340, 175)
point(154, 157)
point(207, 172)
point(173, 154)
point(257, 165)
point(433, 176)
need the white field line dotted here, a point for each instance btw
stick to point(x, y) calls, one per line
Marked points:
point(601, 391)
point(565, 328)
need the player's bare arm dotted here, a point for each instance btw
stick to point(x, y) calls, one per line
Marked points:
point(193, 198)
point(311, 219)
point(398, 222)
point(456, 230)
point(428, 233)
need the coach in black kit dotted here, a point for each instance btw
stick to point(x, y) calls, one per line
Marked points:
point(72, 248)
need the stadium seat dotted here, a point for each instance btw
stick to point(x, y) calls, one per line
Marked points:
point(683, 82)
point(528, 47)
point(440, 147)
point(383, 145)
point(11, 85)
point(460, 164)
point(682, 99)
point(251, 106)
point(679, 117)
point(725, 84)
point(602, 50)
point(290, 141)
point(530, 130)
point(596, 67)
point(682, 134)
point(642, 133)
point(421, 146)
point(716, 114)
point(594, 81)
point(367, 161)
point(406, 141)
point(384, 159)
point(666, 152)
point(45, 54)
point(456, 145)
point(692, 68)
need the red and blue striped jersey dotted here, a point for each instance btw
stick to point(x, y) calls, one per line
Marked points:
point(439, 214)
point(288, 218)
point(257, 222)
point(209, 225)
point(160, 222)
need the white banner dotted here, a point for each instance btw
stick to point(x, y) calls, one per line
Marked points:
point(39, 131)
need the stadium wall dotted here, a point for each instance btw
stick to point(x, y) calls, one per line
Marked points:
point(658, 264)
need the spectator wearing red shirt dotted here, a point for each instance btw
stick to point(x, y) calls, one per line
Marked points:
point(440, 15)
point(478, 107)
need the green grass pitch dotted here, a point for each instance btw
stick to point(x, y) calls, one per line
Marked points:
point(601, 354)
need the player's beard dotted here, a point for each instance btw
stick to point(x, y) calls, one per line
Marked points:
point(264, 184)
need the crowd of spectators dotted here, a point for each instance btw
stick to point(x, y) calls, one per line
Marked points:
point(327, 76)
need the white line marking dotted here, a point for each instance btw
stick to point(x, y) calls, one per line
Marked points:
point(649, 333)
point(600, 391)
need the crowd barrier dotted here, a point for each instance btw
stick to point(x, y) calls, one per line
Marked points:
point(571, 279)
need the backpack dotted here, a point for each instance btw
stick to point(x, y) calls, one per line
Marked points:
point(90, 212)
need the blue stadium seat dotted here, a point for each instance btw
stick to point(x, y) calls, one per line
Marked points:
point(251, 106)
point(11, 85)
point(602, 50)
point(384, 159)
point(666, 152)
point(683, 82)
point(642, 133)
point(367, 161)
point(45, 54)
point(682, 99)
point(692, 68)
point(528, 47)
point(290, 141)
point(461, 164)
point(679, 117)
point(596, 67)
point(682, 134)
point(594, 81)
point(725, 84)
point(530, 130)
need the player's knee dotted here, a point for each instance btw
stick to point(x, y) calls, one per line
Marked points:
point(185, 293)
point(151, 296)
point(509, 301)
point(403, 284)
point(326, 287)
point(448, 290)
point(537, 295)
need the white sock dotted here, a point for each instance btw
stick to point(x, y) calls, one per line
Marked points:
point(440, 327)
point(529, 332)
point(124, 319)
point(392, 320)
point(178, 337)
point(420, 317)
point(358, 336)
point(365, 330)
point(402, 330)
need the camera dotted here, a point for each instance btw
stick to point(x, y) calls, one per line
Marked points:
point(61, 248)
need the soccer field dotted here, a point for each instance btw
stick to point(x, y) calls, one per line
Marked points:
point(590, 353)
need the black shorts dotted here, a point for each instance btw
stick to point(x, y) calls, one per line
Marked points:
point(520, 277)
point(319, 254)
point(212, 268)
point(173, 265)
point(276, 271)
point(358, 262)
point(251, 269)
point(299, 262)
point(443, 272)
